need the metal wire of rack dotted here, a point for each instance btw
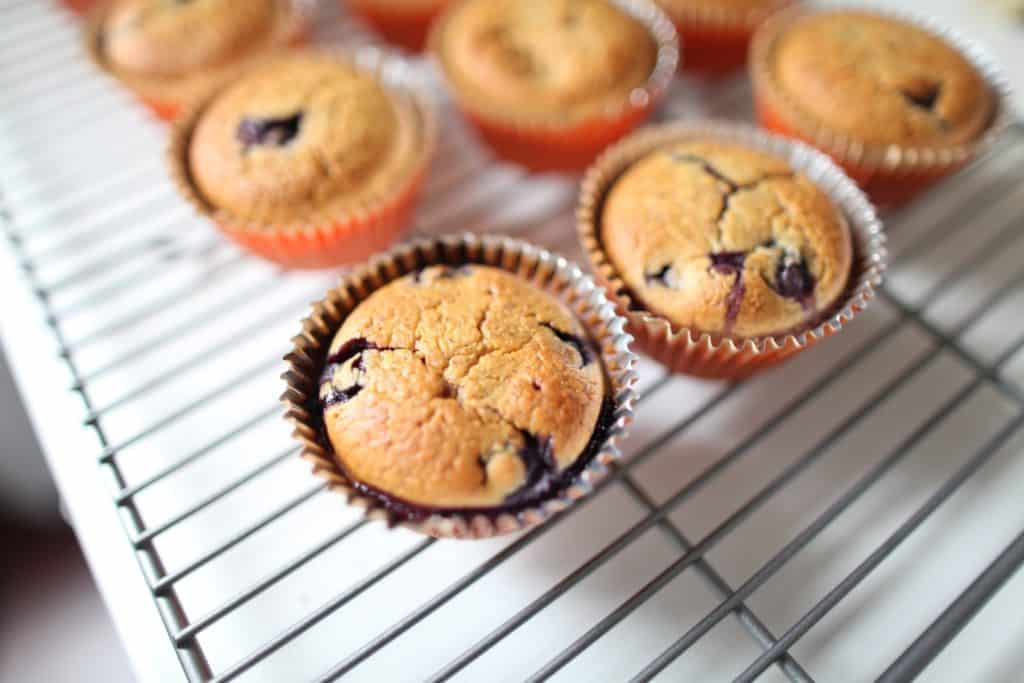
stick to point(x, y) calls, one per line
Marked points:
point(772, 529)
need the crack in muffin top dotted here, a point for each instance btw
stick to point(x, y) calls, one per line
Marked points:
point(547, 56)
point(880, 80)
point(168, 38)
point(461, 388)
point(726, 240)
point(300, 138)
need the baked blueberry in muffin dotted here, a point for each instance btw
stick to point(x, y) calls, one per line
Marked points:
point(300, 138)
point(879, 80)
point(726, 240)
point(309, 160)
point(462, 389)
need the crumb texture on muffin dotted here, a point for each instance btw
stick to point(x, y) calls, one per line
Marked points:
point(300, 138)
point(878, 80)
point(461, 388)
point(165, 38)
point(547, 57)
point(727, 240)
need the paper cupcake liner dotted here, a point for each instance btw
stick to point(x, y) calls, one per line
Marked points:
point(349, 235)
point(169, 98)
point(545, 270)
point(80, 7)
point(406, 26)
point(714, 38)
point(720, 356)
point(561, 142)
point(890, 174)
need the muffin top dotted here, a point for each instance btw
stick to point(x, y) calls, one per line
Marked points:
point(546, 57)
point(302, 138)
point(461, 388)
point(171, 38)
point(879, 80)
point(726, 240)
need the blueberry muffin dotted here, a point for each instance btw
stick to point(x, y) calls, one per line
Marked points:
point(172, 51)
point(301, 139)
point(462, 389)
point(726, 240)
point(550, 83)
point(877, 80)
point(570, 57)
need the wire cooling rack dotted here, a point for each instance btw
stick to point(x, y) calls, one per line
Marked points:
point(840, 519)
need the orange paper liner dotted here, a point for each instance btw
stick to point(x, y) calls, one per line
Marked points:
point(681, 349)
point(890, 174)
point(715, 39)
point(545, 270)
point(80, 7)
point(348, 236)
point(168, 99)
point(407, 27)
point(559, 143)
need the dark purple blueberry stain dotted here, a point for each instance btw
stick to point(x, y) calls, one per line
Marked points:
point(728, 262)
point(353, 348)
point(574, 341)
point(359, 365)
point(659, 277)
point(549, 482)
point(336, 397)
point(268, 132)
point(733, 302)
point(794, 281)
point(923, 97)
point(731, 263)
point(538, 456)
point(483, 469)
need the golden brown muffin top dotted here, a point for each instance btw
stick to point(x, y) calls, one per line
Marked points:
point(879, 80)
point(546, 57)
point(456, 388)
point(302, 138)
point(168, 38)
point(723, 239)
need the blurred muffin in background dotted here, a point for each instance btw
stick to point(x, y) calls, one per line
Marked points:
point(171, 53)
point(715, 34)
point(402, 22)
point(550, 83)
point(897, 104)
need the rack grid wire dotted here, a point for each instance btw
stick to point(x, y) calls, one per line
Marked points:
point(843, 518)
